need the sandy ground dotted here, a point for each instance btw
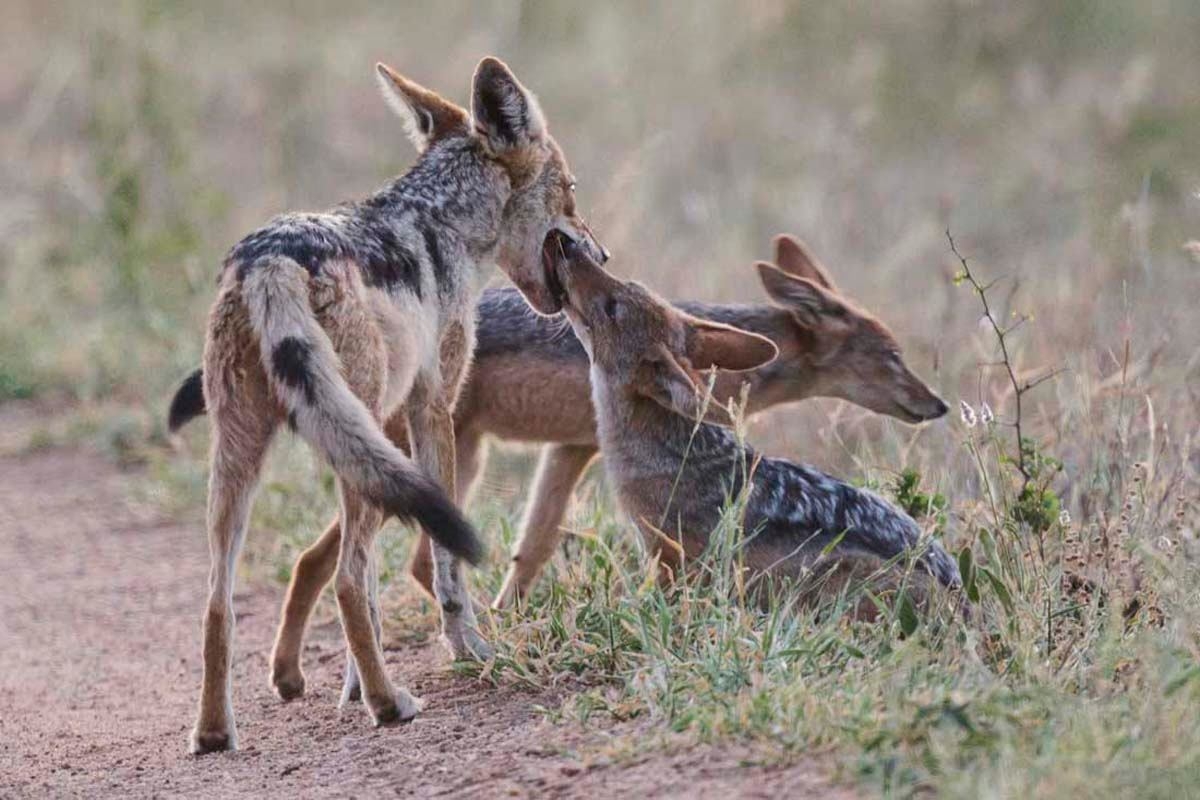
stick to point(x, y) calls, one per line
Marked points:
point(100, 602)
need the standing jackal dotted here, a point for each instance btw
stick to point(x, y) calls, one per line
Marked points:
point(674, 476)
point(336, 321)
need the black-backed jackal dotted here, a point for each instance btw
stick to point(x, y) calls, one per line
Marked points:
point(336, 323)
point(674, 476)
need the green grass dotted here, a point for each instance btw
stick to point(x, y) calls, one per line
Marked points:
point(1044, 691)
point(1077, 672)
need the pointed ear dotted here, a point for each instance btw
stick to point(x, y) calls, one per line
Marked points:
point(505, 113)
point(427, 116)
point(807, 301)
point(711, 344)
point(665, 381)
point(794, 258)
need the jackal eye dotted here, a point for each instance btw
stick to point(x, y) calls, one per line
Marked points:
point(611, 307)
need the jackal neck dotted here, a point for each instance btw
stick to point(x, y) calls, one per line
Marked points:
point(641, 436)
point(667, 470)
point(454, 184)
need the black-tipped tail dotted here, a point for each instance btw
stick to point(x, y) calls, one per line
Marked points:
point(424, 502)
point(188, 402)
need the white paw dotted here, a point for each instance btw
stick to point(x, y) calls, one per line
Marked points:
point(402, 708)
point(212, 741)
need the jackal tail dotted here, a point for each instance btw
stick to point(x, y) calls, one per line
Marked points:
point(304, 369)
point(188, 402)
point(889, 543)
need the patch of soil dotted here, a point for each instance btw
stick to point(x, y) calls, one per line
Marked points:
point(100, 604)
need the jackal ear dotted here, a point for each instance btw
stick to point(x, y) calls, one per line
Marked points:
point(795, 258)
point(808, 302)
point(427, 116)
point(665, 381)
point(505, 113)
point(711, 344)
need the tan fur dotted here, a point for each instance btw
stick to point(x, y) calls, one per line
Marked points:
point(245, 414)
point(302, 332)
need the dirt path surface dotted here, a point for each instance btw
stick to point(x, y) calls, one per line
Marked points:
point(100, 602)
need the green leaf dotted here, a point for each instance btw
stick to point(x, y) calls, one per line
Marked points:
point(851, 650)
point(907, 614)
point(966, 566)
point(829, 548)
point(1002, 593)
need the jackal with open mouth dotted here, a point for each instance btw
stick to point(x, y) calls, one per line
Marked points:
point(336, 323)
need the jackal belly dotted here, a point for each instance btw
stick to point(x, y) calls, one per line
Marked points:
point(526, 398)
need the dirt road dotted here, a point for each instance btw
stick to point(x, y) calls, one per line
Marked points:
point(100, 603)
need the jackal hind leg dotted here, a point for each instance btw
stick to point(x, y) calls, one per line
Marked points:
point(355, 576)
point(431, 431)
point(351, 683)
point(558, 472)
point(312, 572)
point(240, 439)
point(470, 455)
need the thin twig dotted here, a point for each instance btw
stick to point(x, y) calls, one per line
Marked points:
point(1001, 333)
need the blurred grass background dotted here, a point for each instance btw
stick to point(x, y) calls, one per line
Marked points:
point(1057, 139)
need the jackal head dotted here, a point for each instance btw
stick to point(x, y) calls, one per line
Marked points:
point(836, 349)
point(508, 123)
point(643, 345)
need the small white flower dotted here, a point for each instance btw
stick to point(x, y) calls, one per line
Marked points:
point(985, 414)
point(967, 413)
point(1064, 517)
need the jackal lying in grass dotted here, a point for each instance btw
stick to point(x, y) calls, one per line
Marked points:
point(529, 382)
point(674, 475)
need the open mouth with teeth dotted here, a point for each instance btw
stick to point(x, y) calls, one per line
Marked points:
point(555, 249)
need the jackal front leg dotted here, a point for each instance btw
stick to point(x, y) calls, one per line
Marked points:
point(431, 430)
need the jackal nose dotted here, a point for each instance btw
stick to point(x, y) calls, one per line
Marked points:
point(604, 254)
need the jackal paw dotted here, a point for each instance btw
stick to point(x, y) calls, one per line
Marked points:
point(400, 709)
point(214, 741)
point(508, 595)
point(466, 644)
point(287, 682)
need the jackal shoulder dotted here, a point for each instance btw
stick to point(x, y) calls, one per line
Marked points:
point(413, 235)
